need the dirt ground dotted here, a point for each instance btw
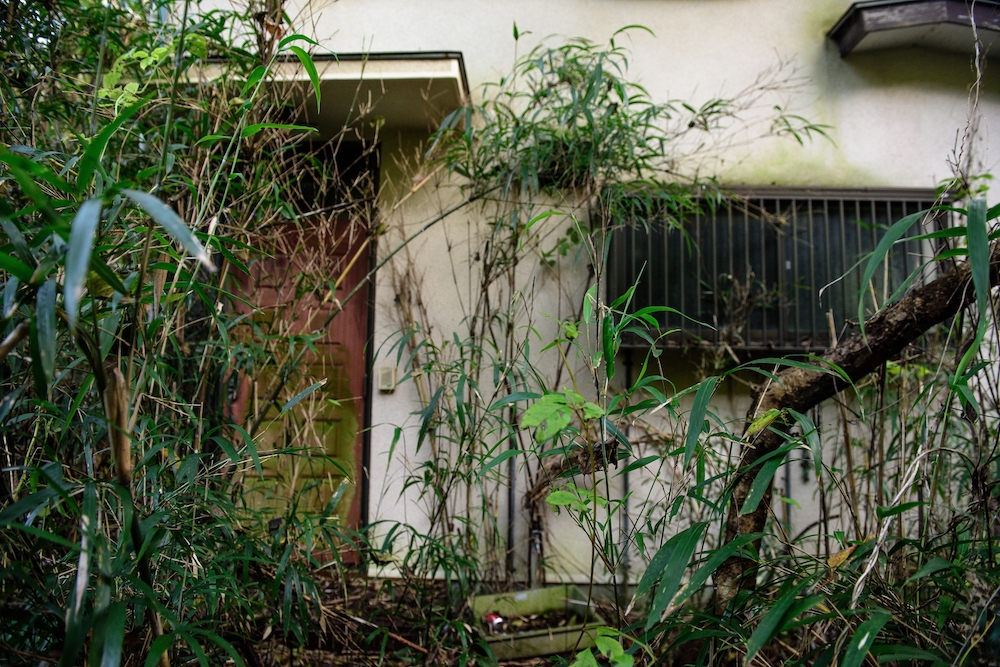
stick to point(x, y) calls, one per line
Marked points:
point(388, 623)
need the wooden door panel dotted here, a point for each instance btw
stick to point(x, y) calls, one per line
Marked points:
point(292, 295)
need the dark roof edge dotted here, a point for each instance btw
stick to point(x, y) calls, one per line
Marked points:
point(847, 32)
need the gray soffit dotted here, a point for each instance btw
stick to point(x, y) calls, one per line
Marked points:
point(945, 25)
point(398, 91)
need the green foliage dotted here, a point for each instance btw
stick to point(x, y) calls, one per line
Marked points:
point(109, 192)
point(901, 563)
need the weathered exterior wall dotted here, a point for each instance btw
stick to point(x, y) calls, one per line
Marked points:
point(894, 118)
point(894, 115)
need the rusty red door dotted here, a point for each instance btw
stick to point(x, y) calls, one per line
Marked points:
point(298, 315)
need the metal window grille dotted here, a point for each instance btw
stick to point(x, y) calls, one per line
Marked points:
point(769, 269)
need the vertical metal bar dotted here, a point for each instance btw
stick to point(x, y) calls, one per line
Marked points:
point(664, 252)
point(813, 305)
point(713, 278)
point(763, 263)
point(793, 324)
point(747, 266)
point(685, 261)
point(860, 296)
point(872, 244)
point(826, 277)
point(907, 245)
point(729, 243)
point(845, 262)
point(698, 263)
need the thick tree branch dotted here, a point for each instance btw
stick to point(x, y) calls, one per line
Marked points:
point(886, 334)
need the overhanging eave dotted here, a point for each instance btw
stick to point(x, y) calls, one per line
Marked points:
point(945, 25)
point(395, 91)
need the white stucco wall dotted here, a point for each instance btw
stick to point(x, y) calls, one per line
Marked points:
point(877, 104)
point(894, 119)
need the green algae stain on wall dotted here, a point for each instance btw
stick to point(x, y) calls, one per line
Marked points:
point(819, 163)
point(819, 16)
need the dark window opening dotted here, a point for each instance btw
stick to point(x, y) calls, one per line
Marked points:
point(777, 270)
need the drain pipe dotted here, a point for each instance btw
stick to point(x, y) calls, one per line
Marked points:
point(511, 497)
point(625, 518)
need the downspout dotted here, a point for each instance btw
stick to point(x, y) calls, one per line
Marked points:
point(625, 519)
point(366, 426)
point(511, 498)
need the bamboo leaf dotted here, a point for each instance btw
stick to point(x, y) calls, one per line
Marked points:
point(697, 418)
point(172, 223)
point(310, 67)
point(256, 75)
point(718, 558)
point(641, 463)
point(514, 398)
point(667, 567)
point(762, 422)
point(880, 253)
point(863, 639)
point(225, 645)
point(979, 253)
point(75, 612)
point(251, 130)
point(107, 274)
point(608, 337)
point(45, 322)
point(251, 448)
point(494, 462)
point(294, 400)
point(158, 648)
point(112, 632)
point(910, 654)
point(92, 156)
point(589, 301)
point(427, 416)
point(930, 567)
point(761, 483)
point(770, 624)
point(19, 270)
point(811, 435)
point(883, 512)
point(18, 241)
point(616, 433)
point(297, 37)
point(979, 264)
point(81, 242)
point(210, 138)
